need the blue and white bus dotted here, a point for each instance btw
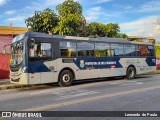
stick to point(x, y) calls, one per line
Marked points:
point(38, 58)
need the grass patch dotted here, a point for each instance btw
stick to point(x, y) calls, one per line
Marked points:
point(153, 72)
point(14, 86)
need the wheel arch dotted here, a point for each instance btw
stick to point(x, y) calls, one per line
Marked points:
point(67, 68)
point(133, 67)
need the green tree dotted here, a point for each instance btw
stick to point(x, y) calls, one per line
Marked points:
point(43, 21)
point(122, 35)
point(95, 29)
point(112, 30)
point(157, 49)
point(70, 18)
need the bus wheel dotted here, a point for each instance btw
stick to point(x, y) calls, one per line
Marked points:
point(65, 78)
point(131, 72)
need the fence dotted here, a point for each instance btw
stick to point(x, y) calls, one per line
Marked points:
point(4, 59)
point(4, 66)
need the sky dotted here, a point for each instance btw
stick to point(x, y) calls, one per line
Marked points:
point(135, 17)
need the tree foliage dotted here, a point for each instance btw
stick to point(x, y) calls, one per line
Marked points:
point(43, 21)
point(122, 35)
point(112, 30)
point(70, 18)
point(157, 49)
point(95, 29)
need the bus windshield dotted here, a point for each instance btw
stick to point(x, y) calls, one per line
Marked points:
point(17, 53)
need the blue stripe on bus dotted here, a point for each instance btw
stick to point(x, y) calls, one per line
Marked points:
point(97, 63)
point(38, 66)
point(151, 61)
point(87, 63)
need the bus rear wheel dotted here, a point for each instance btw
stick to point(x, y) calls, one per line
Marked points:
point(65, 78)
point(131, 72)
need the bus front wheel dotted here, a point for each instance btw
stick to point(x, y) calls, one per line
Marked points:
point(131, 72)
point(65, 78)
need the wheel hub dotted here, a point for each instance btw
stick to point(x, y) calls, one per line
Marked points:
point(66, 78)
point(131, 73)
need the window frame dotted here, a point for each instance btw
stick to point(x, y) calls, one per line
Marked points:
point(86, 42)
point(117, 44)
point(60, 49)
point(134, 51)
point(107, 43)
point(154, 54)
point(36, 59)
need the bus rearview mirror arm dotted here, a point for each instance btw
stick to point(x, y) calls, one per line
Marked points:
point(4, 50)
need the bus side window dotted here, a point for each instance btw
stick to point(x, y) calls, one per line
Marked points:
point(31, 51)
point(150, 50)
point(108, 53)
point(67, 49)
point(69, 52)
point(85, 49)
point(97, 54)
point(101, 50)
point(143, 50)
point(38, 50)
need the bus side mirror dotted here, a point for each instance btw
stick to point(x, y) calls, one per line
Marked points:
point(32, 43)
point(32, 47)
point(32, 40)
point(4, 48)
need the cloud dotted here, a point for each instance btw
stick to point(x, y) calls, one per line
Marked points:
point(10, 12)
point(94, 13)
point(28, 11)
point(101, 1)
point(17, 19)
point(150, 6)
point(44, 4)
point(2, 2)
point(147, 27)
point(122, 6)
point(97, 14)
point(138, 24)
point(40, 5)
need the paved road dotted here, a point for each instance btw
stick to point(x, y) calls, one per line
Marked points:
point(140, 94)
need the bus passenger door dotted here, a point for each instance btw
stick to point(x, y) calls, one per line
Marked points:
point(40, 60)
point(34, 74)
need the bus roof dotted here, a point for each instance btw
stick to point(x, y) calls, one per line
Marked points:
point(100, 39)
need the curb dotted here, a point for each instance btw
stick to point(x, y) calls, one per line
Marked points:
point(16, 86)
point(13, 86)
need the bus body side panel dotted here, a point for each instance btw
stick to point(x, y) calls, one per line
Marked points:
point(34, 78)
point(42, 72)
point(48, 77)
point(99, 73)
point(86, 68)
point(142, 65)
point(19, 79)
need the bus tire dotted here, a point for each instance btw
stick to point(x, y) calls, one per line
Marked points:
point(131, 72)
point(65, 78)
